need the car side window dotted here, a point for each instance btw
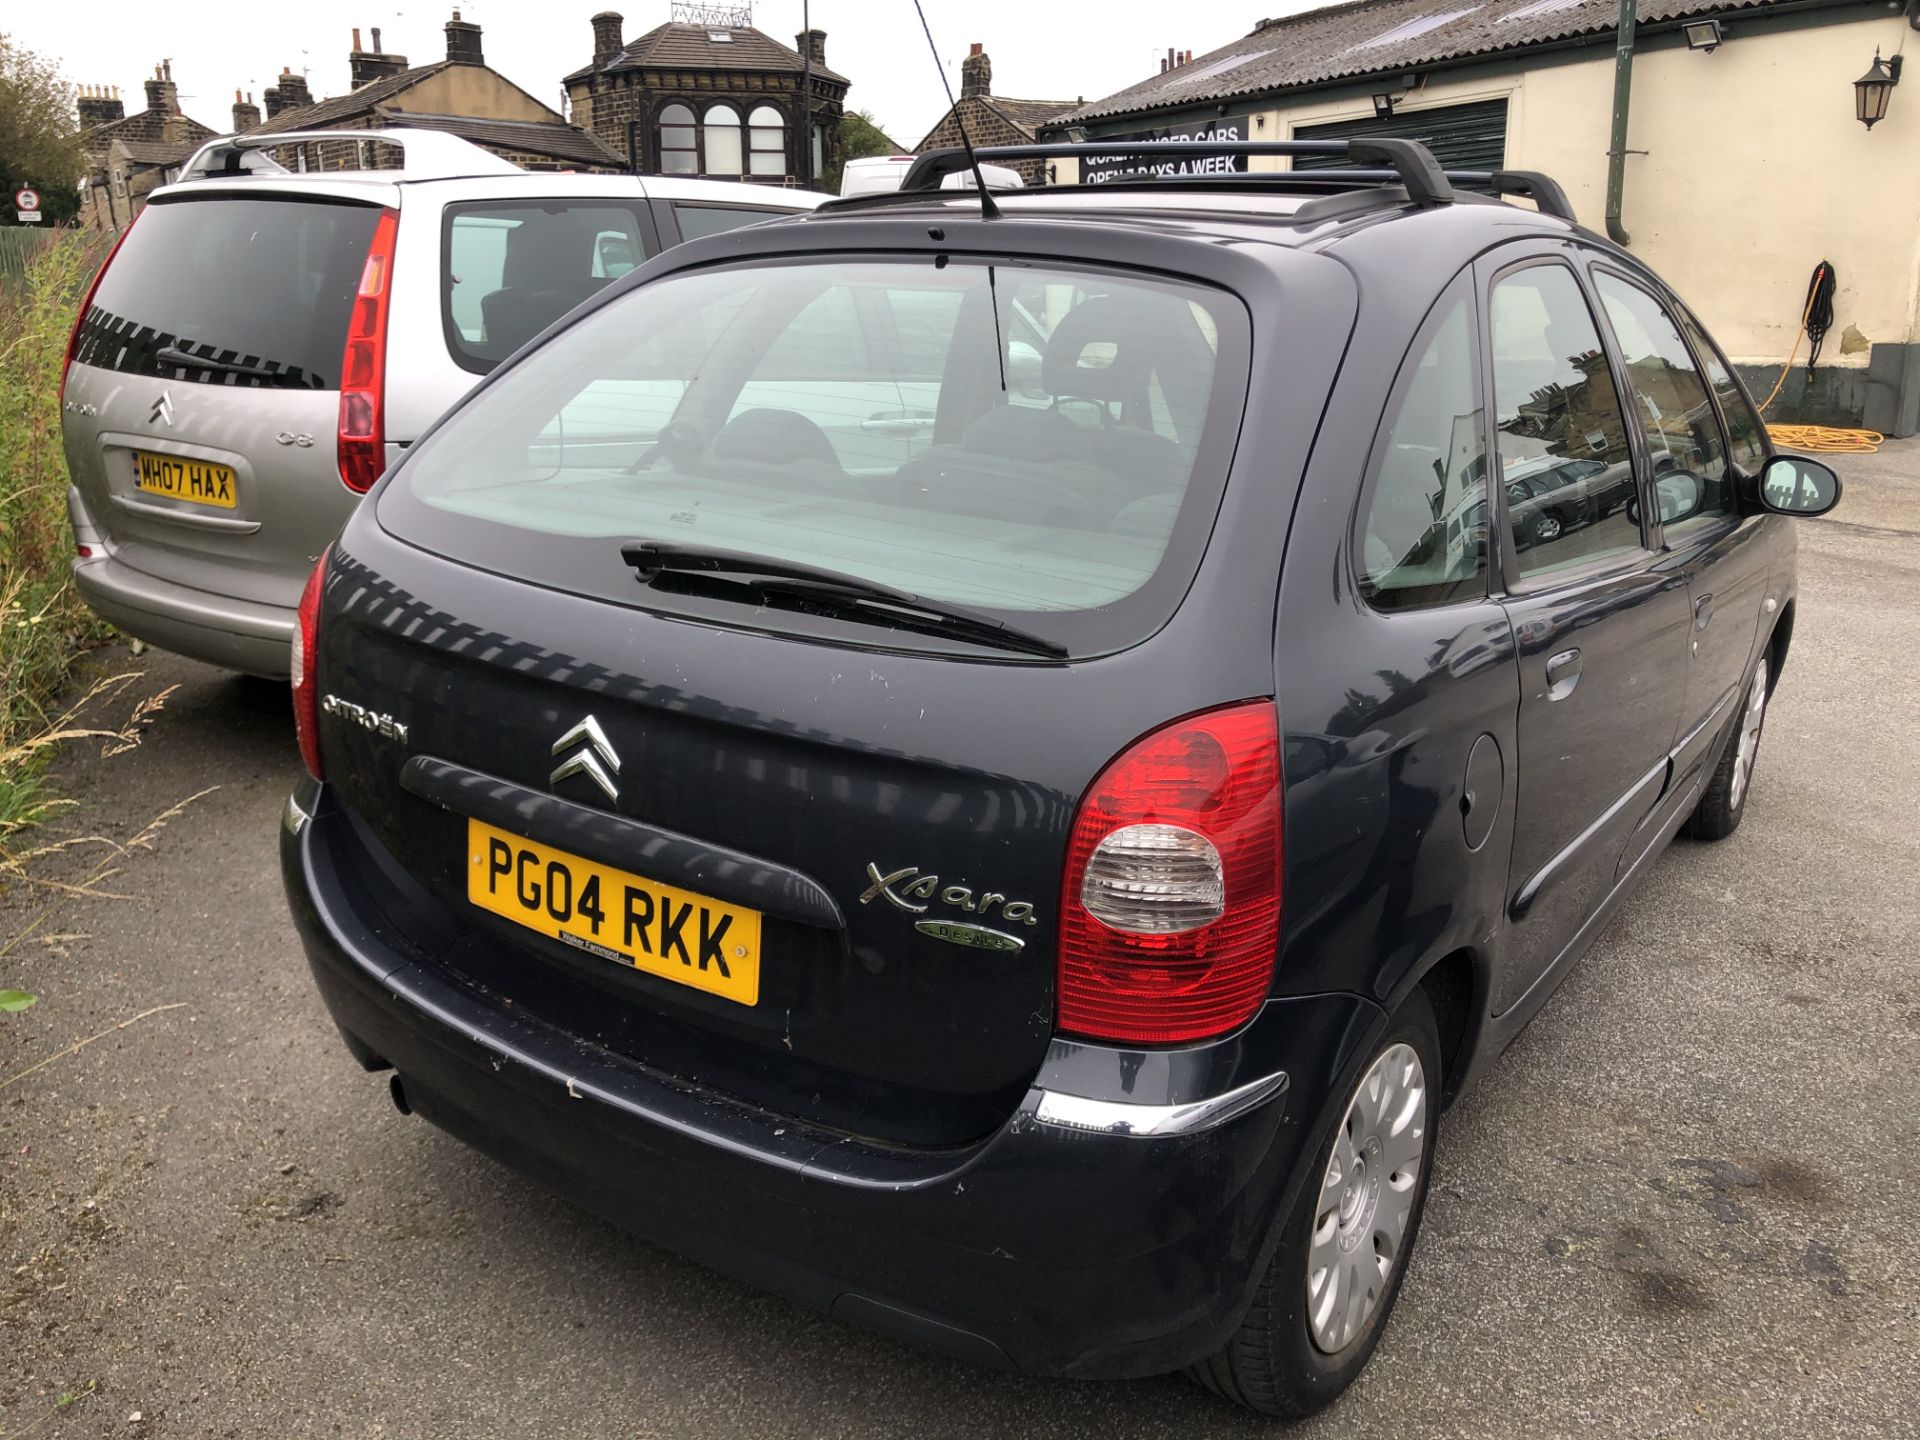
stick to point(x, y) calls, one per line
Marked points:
point(1746, 436)
point(1691, 484)
point(511, 269)
point(1566, 471)
point(1423, 540)
point(698, 221)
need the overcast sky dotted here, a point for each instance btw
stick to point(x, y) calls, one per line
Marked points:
point(1041, 49)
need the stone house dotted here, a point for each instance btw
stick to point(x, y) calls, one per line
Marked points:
point(992, 119)
point(725, 101)
point(1744, 162)
point(460, 95)
point(130, 156)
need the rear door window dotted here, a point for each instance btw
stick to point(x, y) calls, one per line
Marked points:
point(696, 221)
point(1034, 441)
point(1565, 464)
point(264, 284)
point(510, 269)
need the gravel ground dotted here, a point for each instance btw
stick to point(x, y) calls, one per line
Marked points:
point(1682, 1203)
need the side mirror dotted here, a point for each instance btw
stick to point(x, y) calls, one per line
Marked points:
point(1795, 485)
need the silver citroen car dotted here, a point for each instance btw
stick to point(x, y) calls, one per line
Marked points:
point(262, 343)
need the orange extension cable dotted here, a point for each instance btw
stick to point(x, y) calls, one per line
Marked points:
point(1820, 439)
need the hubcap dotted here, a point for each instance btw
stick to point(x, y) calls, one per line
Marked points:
point(1366, 1198)
point(1749, 743)
point(1547, 527)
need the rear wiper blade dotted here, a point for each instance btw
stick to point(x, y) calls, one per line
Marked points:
point(764, 576)
point(171, 355)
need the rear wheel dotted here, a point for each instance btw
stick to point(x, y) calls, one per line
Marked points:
point(1724, 801)
point(1320, 1308)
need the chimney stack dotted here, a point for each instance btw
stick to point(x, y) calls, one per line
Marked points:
point(246, 114)
point(812, 43)
point(366, 66)
point(606, 37)
point(163, 95)
point(976, 73)
point(290, 93)
point(463, 42)
point(100, 105)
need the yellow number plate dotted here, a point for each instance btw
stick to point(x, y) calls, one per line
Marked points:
point(675, 934)
point(200, 481)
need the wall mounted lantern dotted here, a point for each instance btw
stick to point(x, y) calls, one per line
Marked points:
point(1382, 106)
point(1873, 89)
point(1703, 35)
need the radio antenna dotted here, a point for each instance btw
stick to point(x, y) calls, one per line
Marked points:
point(988, 210)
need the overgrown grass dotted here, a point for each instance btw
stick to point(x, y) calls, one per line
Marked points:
point(44, 626)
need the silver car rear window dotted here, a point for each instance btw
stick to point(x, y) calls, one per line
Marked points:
point(264, 283)
point(1046, 442)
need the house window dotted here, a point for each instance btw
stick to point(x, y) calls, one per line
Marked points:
point(119, 182)
point(766, 142)
point(720, 132)
point(677, 153)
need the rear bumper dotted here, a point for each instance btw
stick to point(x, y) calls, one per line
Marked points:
point(234, 634)
point(1061, 1244)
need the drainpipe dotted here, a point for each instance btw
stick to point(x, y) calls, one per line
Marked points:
point(1617, 152)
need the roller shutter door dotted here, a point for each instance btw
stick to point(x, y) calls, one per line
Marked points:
point(1462, 137)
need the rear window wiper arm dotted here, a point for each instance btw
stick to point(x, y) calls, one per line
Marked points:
point(172, 355)
point(653, 559)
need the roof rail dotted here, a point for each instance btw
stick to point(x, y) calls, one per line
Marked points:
point(430, 154)
point(1412, 163)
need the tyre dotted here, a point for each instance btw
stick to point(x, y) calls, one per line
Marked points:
point(1724, 801)
point(1321, 1305)
point(1547, 527)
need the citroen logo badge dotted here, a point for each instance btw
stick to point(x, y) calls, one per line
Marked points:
point(162, 410)
point(594, 758)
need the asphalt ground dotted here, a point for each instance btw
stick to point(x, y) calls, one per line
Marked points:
point(1684, 1203)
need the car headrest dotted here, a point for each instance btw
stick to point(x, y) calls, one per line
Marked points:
point(1101, 350)
point(546, 252)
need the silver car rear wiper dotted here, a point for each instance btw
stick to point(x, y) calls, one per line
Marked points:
point(173, 355)
point(652, 559)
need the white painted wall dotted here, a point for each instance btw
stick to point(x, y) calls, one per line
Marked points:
point(1756, 170)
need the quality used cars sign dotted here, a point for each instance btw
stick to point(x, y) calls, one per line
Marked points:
point(1125, 165)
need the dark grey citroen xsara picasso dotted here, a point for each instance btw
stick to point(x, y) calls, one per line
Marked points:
point(992, 767)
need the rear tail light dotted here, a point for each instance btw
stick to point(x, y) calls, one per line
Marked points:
point(363, 368)
point(86, 304)
point(305, 660)
point(1170, 910)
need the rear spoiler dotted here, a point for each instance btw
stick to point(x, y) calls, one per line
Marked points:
point(429, 154)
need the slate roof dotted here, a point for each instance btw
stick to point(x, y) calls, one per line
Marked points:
point(1370, 37)
point(159, 152)
point(542, 137)
point(688, 47)
point(1029, 114)
point(354, 103)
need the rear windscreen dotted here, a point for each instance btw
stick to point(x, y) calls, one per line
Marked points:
point(510, 270)
point(1047, 442)
point(260, 287)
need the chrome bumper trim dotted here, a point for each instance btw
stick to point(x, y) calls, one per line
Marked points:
point(1118, 1117)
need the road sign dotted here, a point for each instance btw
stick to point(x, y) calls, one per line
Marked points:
point(25, 199)
point(27, 217)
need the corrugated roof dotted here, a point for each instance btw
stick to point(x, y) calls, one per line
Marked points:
point(692, 47)
point(1370, 37)
point(363, 101)
point(543, 137)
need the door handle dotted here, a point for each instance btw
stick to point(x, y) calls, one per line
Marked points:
point(1563, 673)
point(1702, 612)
